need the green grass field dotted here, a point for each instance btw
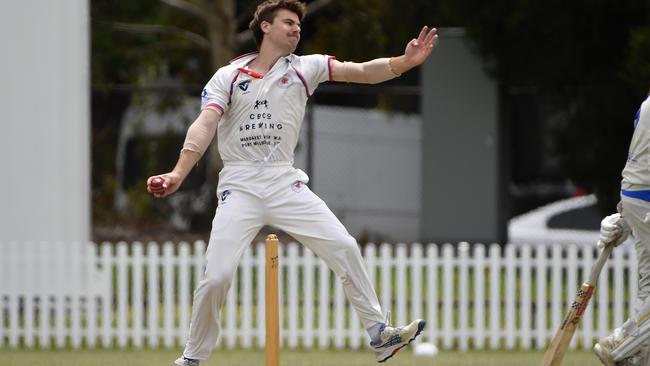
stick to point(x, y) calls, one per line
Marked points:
point(288, 358)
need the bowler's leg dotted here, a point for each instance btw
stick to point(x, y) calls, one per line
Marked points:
point(303, 215)
point(236, 222)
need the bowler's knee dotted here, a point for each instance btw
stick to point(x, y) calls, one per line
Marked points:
point(217, 280)
point(348, 246)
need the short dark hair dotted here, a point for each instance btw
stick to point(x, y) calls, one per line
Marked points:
point(267, 10)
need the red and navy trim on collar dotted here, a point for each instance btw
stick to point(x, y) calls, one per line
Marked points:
point(251, 73)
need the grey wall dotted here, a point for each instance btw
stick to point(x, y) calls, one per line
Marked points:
point(44, 114)
point(367, 170)
point(460, 146)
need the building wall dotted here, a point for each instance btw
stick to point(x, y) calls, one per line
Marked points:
point(44, 128)
point(460, 146)
point(367, 169)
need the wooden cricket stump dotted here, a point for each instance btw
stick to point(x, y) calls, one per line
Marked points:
point(272, 352)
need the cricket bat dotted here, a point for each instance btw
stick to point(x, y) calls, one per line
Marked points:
point(560, 342)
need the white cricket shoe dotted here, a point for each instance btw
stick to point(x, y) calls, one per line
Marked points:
point(182, 361)
point(394, 339)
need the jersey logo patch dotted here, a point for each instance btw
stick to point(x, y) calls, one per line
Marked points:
point(258, 103)
point(224, 195)
point(284, 82)
point(297, 186)
point(244, 85)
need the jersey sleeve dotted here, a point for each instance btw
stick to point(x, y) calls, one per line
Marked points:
point(216, 92)
point(315, 69)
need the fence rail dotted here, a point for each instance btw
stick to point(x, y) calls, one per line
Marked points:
point(473, 297)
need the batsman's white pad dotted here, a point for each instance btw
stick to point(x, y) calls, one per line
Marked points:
point(637, 335)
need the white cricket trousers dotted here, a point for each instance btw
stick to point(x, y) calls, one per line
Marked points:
point(637, 214)
point(251, 196)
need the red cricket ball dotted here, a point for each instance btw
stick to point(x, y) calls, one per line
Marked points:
point(157, 183)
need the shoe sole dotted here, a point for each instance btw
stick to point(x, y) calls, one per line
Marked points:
point(421, 325)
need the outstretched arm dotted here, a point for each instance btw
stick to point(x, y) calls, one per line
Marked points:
point(199, 136)
point(382, 69)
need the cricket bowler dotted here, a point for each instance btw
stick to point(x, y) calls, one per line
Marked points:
point(255, 105)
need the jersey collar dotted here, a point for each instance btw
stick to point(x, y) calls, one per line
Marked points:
point(243, 60)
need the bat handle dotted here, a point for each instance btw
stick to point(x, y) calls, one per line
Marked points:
point(598, 266)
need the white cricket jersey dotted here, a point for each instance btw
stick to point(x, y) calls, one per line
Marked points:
point(262, 115)
point(636, 174)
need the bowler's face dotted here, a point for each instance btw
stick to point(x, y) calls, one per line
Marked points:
point(284, 32)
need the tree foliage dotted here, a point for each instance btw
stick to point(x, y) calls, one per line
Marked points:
point(579, 67)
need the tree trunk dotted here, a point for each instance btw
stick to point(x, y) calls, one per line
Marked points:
point(221, 25)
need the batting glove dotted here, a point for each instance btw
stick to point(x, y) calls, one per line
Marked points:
point(613, 230)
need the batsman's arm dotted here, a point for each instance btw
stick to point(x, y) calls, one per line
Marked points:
point(382, 69)
point(198, 138)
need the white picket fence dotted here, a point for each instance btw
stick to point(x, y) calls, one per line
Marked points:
point(478, 297)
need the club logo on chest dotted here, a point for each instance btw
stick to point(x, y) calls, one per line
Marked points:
point(284, 81)
point(244, 85)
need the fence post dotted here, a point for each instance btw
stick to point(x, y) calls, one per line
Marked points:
point(153, 302)
point(511, 266)
point(28, 269)
point(292, 284)
point(603, 308)
point(260, 263)
point(619, 289)
point(557, 263)
point(495, 296)
point(415, 264)
point(541, 307)
point(463, 295)
point(588, 319)
point(90, 262)
point(77, 294)
point(432, 293)
point(479, 296)
point(400, 283)
point(308, 302)
point(137, 291)
point(184, 290)
point(60, 294)
point(107, 294)
point(122, 293)
point(386, 277)
point(246, 269)
point(323, 305)
point(525, 303)
point(448, 296)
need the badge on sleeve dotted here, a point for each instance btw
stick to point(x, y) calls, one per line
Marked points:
point(297, 186)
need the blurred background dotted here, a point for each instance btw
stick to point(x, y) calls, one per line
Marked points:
point(520, 105)
point(514, 131)
point(529, 102)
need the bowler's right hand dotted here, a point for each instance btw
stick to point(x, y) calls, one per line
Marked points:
point(172, 181)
